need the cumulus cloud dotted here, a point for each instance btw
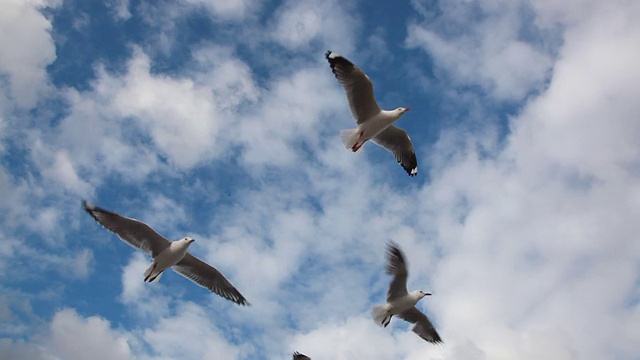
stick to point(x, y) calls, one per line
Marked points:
point(198, 338)
point(20, 349)
point(27, 49)
point(289, 115)
point(120, 8)
point(534, 232)
point(179, 117)
point(182, 118)
point(72, 336)
point(125, 121)
point(485, 43)
point(302, 23)
point(346, 338)
point(145, 301)
point(228, 9)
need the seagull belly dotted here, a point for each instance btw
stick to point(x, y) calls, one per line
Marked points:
point(170, 256)
point(376, 125)
point(401, 304)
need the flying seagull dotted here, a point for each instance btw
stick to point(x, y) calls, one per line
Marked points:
point(298, 356)
point(402, 303)
point(373, 123)
point(165, 253)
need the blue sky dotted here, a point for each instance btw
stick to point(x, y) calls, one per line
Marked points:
point(219, 120)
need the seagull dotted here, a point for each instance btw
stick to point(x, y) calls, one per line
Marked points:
point(402, 303)
point(165, 253)
point(373, 123)
point(298, 356)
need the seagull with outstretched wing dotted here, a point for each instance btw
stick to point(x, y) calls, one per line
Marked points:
point(373, 123)
point(402, 303)
point(165, 253)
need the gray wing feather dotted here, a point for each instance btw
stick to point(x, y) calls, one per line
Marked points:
point(397, 267)
point(132, 231)
point(298, 356)
point(423, 326)
point(357, 86)
point(398, 142)
point(207, 276)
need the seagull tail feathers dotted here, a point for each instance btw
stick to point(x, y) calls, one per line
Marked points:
point(349, 137)
point(150, 274)
point(379, 314)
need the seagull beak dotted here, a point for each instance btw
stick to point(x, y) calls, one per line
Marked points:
point(407, 109)
point(427, 294)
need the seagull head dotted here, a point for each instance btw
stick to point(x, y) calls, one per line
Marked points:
point(402, 110)
point(423, 294)
point(188, 240)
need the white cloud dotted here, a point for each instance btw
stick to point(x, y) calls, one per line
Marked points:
point(62, 171)
point(229, 79)
point(289, 115)
point(229, 9)
point(485, 43)
point(146, 300)
point(20, 349)
point(121, 125)
point(73, 265)
point(164, 215)
point(531, 243)
point(74, 337)
point(344, 340)
point(192, 334)
point(132, 284)
point(299, 24)
point(180, 118)
point(120, 8)
point(13, 193)
point(27, 49)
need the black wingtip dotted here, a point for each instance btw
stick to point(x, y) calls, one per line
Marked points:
point(87, 206)
point(411, 170)
point(236, 298)
point(392, 247)
point(411, 167)
point(437, 340)
point(327, 54)
point(92, 210)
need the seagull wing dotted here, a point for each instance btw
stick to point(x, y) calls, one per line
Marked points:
point(298, 356)
point(207, 276)
point(423, 326)
point(357, 86)
point(132, 231)
point(398, 142)
point(397, 267)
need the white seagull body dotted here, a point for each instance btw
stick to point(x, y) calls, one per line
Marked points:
point(402, 303)
point(373, 123)
point(165, 253)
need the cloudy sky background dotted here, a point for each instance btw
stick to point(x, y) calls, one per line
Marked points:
point(219, 120)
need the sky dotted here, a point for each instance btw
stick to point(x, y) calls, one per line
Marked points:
point(220, 120)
